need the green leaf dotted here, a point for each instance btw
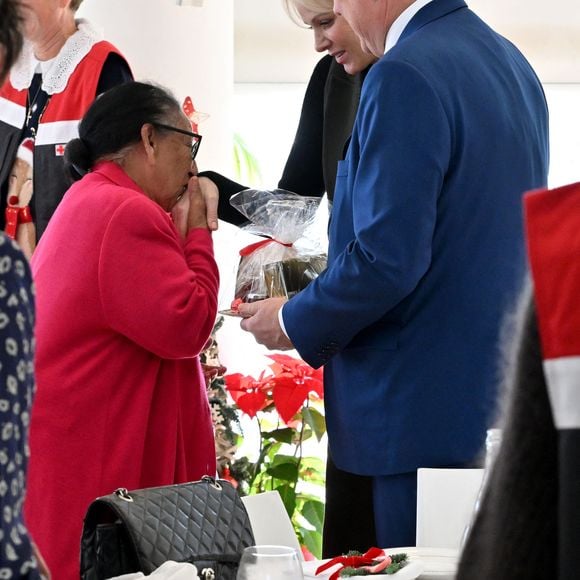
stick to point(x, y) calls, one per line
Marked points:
point(284, 458)
point(288, 496)
point(313, 541)
point(269, 451)
point(315, 421)
point(391, 569)
point(237, 160)
point(313, 511)
point(245, 163)
point(348, 572)
point(282, 435)
point(315, 464)
point(304, 497)
point(286, 471)
point(218, 324)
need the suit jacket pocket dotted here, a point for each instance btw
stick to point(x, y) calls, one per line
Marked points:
point(342, 168)
point(379, 336)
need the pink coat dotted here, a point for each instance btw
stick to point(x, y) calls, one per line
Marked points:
point(124, 307)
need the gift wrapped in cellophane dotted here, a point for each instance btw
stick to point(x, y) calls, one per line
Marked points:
point(292, 252)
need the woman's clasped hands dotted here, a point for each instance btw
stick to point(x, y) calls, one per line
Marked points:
point(197, 207)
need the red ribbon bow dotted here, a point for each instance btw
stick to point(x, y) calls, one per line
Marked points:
point(246, 251)
point(14, 217)
point(351, 562)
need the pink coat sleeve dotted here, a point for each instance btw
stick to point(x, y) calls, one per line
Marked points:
point(158, 291)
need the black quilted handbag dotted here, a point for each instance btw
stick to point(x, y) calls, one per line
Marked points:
point(203, 522)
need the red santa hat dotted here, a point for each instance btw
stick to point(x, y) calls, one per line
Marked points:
point(553, 232)
point(26, 150)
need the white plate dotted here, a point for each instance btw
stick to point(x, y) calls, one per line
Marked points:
point(438, 562)
point(411, 571)
point(424, 563)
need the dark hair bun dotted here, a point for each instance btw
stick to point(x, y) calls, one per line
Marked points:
point(77, 158)
point(114, 122)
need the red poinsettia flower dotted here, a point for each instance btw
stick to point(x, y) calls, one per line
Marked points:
point(227, 475)
point(288, 387)
point(249, 394)
point(302, 373)
point(293, 382)
point(289, 396)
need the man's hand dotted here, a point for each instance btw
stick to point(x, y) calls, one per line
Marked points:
point(261, 319)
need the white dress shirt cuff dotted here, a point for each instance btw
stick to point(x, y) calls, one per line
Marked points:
point(281, 322)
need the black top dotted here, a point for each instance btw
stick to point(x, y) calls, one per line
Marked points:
point(115, 72)
point(303, 172)
point(326, 121)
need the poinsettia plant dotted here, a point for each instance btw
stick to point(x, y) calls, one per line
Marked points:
point(285, 402)
point(287, 386)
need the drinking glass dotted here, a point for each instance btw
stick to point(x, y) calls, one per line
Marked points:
point(270, 563)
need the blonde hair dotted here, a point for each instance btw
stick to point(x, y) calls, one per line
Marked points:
point(321, 6)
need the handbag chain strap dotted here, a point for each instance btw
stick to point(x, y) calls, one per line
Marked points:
point(123, 493)
point(212, 481)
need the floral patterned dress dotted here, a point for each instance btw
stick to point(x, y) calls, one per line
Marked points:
point(16, 393)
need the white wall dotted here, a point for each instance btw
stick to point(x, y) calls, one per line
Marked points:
point(563, 102)
point(270, 48)
point(266, 116)
point(187, 49)
point(548, 33)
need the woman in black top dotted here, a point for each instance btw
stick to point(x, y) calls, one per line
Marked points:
point(328, 110)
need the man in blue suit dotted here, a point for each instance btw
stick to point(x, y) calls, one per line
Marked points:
point(426, 248)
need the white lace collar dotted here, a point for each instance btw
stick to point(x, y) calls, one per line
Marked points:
point(56, 72)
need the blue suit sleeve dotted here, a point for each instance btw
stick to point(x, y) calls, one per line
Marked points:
point(385, 213)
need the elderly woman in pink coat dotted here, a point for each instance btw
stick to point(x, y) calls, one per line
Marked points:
point(126, 299)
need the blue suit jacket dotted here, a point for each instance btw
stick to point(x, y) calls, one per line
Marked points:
point(426, 246)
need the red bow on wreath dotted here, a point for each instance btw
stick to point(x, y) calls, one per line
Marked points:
point(368, 560)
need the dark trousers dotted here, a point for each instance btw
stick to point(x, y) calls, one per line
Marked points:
point(349, 522)
point(364, 511)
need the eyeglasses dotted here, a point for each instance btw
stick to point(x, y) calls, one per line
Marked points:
point(196, 138)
